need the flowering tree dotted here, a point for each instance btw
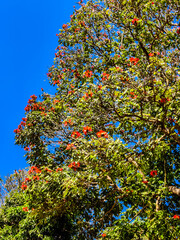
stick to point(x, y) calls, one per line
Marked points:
point(104, 150)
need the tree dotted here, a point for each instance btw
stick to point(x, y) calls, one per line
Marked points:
point(104, 150)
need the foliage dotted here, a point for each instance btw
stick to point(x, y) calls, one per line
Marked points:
point(104, 150)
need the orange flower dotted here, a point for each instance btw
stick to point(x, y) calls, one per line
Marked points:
point(134, 21)
point(134, 60)
point(23, 186)
point(176, 217)
point(48, 170)
point(59, 169)
point(88, 73)
point(153, 173)
point(101, 132)
point(85, 129)
point(27, 180)
point(25, 209)
point(70, 146)
point(75, 134)
point(34, 169)
point(74, 165)
point(36, 177)
point(103, 235)
point(68, 122)
point(105, 76)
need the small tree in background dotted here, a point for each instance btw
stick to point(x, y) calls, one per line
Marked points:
point(104, 150)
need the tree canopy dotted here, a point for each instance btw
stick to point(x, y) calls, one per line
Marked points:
point(104, 150)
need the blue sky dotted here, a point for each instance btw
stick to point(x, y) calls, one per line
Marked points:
point(27, 47)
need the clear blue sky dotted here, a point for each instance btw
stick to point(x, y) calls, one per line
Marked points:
point(27, 46)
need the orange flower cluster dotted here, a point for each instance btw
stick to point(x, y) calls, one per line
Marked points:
point(70, 146)
point(135, 21)
point(36, 177)
point(87, 129)
point(59, 169)
point(48, 170)
point(87, 95)
point(21, 125)
point(34, 169)
point(74, 165)
point(25, 209)
point(101, 132)
point(176, 217)
point(153, 173)
point(134, 60)
point(105, 76)
point(164, 100)
point(133, 95)
point(68, 122)
point(88, 74)
point(75, 134)
point(24, 186)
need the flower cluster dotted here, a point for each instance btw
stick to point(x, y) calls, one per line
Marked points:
point(21, 125)
point(87, 129)
point(176, 217)
point(164, 100)
point(87, 95)
point(25, 209)
point(134, 60)
point(24, 186)
point(101, 132)
point(88, 74)
point(75, 134)
point(74, 165)
point(105, 76)
point(153, 173)
point(59, 169)
point(135, 21)
point(68, 122)
point(34, 169)
point(70, 146)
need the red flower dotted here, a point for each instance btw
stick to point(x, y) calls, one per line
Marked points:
point(178, 31)
point(74, 165)
point(34, 169)
point(26, 149)
point(64, 26)
point(70, 146)
point(134, 21)
point(101, 132)
point(88, 73)
point(17, 131)
point(105, 76)
point(68, 122)
point(27, 180)
point(86, 129)
point(176, 217)
point(75, 134)
point(151, 54)
point(23, 186)
point(24, 119)
point(25, 209)
point(145, 182)
point(36, 177)
point(59, 169)
point(134, 60)
point(153, 173)
point(164, 100)
point(48, 170)
point(103, 235)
